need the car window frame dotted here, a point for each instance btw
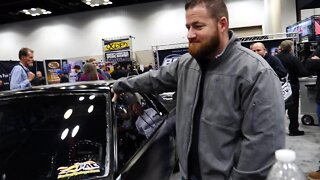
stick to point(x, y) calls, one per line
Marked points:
point(108, 116)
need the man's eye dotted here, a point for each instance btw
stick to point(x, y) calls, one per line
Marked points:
point(198, 27)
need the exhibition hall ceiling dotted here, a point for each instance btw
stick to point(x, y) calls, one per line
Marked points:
point(10, 10)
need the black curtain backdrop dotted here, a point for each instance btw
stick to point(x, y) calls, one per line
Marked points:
point(7, 65)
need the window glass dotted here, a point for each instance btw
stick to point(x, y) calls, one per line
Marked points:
point(54, 137)
point(137, 118)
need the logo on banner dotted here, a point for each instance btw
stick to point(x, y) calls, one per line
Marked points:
point(53, 65)
point(118, 56)
point(170, 59)
point(114, 46)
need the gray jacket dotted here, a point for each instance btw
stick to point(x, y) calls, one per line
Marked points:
point(242, 118)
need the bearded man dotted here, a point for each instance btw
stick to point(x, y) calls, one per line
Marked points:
point(230, 110)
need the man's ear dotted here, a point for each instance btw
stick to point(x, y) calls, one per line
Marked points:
point(223, 24)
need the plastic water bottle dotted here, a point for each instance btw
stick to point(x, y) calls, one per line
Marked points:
point(285, 168)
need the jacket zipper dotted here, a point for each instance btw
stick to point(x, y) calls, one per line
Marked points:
point(193, 114)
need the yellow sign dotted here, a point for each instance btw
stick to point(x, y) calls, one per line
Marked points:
point(114, 46)
point(77, 169)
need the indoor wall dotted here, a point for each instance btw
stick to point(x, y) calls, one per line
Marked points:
point(80, 35)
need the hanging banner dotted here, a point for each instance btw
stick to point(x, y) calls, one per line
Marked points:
point(117, 50)
point(167, 56)
point(51, 70)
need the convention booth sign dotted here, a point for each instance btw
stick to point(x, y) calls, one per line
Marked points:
point(7, 65)
point(118, 49)
point(51, 68)
point(166, 54)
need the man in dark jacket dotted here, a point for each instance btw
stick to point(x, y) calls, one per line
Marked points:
point(273, 61)
point(39, 79)
point(230, 108)
point(295, 70)
point(77, 70)
point(63, 77)
point(313, 65)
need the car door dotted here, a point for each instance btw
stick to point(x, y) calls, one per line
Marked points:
point(141, 154)
point(59, 135)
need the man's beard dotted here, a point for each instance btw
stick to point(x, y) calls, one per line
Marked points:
point(204, 49)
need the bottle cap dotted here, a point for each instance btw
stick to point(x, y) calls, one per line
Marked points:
point(285, 155)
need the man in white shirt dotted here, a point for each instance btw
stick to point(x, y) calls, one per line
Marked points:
point(21, 76)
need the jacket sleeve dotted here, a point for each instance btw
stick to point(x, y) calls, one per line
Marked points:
point(156, 81)
point(302, 70)
point(279, 68)
point(16, 81)
point(262, 128)
point(312, 65)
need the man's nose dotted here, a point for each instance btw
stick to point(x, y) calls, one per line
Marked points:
point(191, 34)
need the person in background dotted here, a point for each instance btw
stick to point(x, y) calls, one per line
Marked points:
point(39, 79)
point(63, 77)
point(273, 61)
point(118, 72)
point(150, 67)
point(230, 108)
point(295, 69)
point(132, 71)
point(313, 65)
point(94, 62)
point(1, 85)
point(77, 69)
point(145, 69)
point(90, 73)
point(21, 76)
point(139, 70)
point(105, 71)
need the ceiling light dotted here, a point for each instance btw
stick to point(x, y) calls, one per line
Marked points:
point(35, 11)
point(95, 3)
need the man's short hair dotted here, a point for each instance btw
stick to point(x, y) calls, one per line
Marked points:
point(286, 45)
point(91, 60)
point(76, 67)
point(216, 8)
point(24, 52)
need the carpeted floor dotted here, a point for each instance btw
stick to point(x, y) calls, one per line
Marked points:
point(307, 147)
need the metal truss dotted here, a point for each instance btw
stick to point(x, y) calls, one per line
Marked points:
point(280, 36)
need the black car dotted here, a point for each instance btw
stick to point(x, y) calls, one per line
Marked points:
point(74, 131)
